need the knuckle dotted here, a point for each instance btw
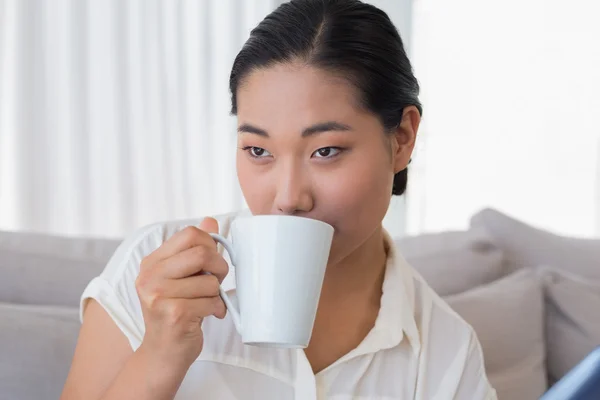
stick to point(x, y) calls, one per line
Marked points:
point(189, 234)
point(156, 293)
point(175, 312)
point(150, 298)
point(141, 282)
point(203, 255)
point(149, 291)
point(152, 301)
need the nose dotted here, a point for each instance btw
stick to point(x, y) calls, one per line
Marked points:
point(294, 195)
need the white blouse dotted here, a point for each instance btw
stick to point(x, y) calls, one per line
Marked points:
point(418, 349)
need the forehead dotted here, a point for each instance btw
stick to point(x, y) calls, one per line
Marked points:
point(290, 93)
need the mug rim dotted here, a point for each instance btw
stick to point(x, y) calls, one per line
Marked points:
point(275, 216)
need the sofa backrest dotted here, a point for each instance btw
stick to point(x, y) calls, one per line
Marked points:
point(49, 270)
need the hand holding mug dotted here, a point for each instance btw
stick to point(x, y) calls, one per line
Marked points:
point(178, 286)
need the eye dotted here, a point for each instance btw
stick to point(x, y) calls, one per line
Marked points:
point(256, 152)
point(327, 152)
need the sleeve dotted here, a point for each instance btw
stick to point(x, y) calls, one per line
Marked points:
point(115, 289)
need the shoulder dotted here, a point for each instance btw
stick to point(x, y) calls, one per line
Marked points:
point(451, 355)
point(432, 318)
point(433, 313)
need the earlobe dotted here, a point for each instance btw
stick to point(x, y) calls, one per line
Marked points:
point(405, 137)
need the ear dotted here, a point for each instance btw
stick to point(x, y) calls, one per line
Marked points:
point(404, 137)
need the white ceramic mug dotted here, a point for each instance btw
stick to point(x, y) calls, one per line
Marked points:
point(279, 265)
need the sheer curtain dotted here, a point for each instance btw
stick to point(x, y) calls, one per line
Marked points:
point(511, 92)
point(114, 114)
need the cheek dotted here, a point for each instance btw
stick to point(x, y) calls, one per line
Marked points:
point(356, 200)
point(359, 194)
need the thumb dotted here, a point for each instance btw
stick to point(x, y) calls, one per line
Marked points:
point(209, 225)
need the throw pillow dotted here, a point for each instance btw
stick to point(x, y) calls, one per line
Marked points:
point(452, 262)
point(572, 320)
point(524, 245)
point(508, 318)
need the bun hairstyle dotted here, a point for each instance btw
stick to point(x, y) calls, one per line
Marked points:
point(349, 38)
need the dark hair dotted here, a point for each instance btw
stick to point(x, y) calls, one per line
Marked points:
point(346, 37)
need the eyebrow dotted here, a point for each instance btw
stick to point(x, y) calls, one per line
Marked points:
point(310, 131)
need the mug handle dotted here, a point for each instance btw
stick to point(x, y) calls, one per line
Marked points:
point(235, 313)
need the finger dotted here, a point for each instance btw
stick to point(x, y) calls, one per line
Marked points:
point(203, 307)
point(199, 259)
point(186, 238)
point(209, 225)
point(192, 287)
point(220, 308)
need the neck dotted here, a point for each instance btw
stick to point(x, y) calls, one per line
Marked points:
point(359, 276)
point(349, 302)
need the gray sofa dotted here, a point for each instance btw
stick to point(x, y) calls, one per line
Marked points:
point(531, 296)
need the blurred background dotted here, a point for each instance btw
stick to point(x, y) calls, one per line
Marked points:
point(115, 114)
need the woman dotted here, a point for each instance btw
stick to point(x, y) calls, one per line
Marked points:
point(327, 114)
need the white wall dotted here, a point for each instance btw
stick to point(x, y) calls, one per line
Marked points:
point(400, 12)
point(511, 92)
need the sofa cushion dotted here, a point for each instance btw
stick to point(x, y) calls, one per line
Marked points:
point(45, 269)
point(524, 245)
point(508, 317)
point(36, 349)
point(452, 262)
point(572, 320)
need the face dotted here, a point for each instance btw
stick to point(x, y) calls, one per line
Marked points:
point(306, 148)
